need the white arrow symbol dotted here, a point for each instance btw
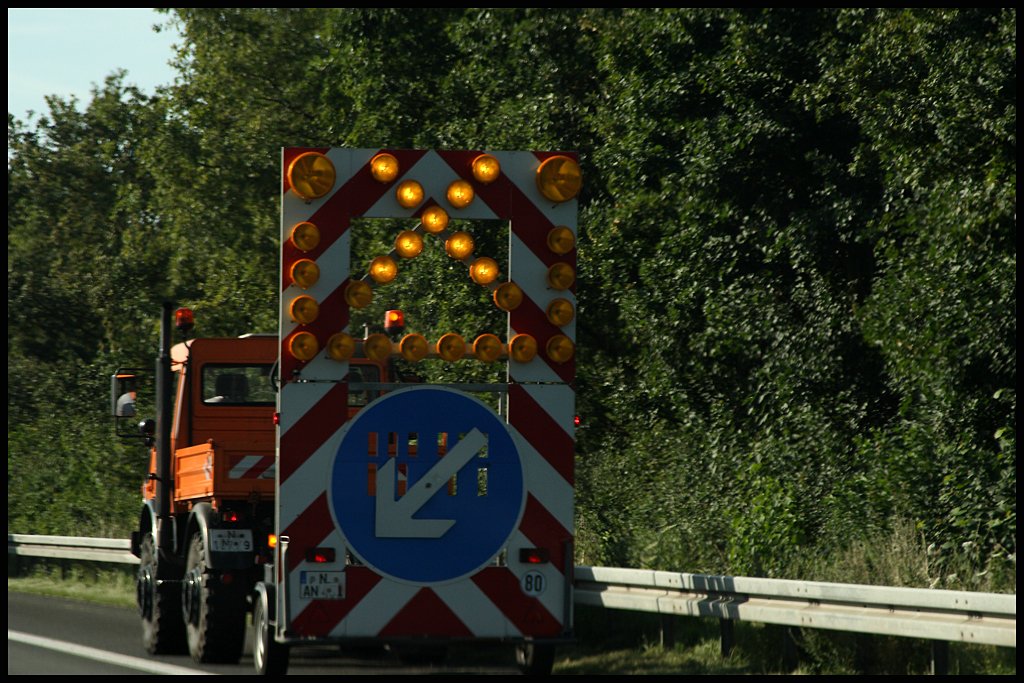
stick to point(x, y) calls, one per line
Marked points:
point(394, 517)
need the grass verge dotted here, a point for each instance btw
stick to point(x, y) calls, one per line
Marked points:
point(75, 581)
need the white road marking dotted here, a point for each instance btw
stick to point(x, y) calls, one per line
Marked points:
point(114, 658)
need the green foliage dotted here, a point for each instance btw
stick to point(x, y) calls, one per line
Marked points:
point(67, 475)
point(797, 260)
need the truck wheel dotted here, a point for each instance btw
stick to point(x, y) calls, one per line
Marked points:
point(214, 610)
point(163, 632)
point(535, 659)
point(269, 656)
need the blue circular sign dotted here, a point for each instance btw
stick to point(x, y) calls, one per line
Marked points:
point(427, 485)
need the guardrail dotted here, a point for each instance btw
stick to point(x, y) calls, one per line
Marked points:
point(984, 618)
point(941, 616)
point(113, 550)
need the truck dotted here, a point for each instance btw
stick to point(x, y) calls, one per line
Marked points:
point(210, 488)
point(300, 479)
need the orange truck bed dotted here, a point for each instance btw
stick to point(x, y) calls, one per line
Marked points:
point(208, 470)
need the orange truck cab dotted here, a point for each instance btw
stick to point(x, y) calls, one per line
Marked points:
point(222, 434)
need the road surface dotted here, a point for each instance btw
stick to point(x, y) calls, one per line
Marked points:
point(48, 635)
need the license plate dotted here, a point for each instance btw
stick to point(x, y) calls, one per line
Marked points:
point(231, 540)
point(322, 585)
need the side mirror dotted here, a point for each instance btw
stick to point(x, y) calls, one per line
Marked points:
point(123, 386)
point(122, 394)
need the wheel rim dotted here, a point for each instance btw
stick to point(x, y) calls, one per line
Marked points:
point(191, 596)
point(262, 629)
point(144, 592)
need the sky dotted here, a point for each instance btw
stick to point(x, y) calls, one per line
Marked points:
point(66, 52)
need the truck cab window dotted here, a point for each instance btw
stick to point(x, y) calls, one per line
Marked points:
point(237, 385)
point(362, 373)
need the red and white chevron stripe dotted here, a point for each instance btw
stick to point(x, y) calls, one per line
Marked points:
point(252, 467)
point(313, 411)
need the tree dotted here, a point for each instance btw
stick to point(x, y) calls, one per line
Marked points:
point(797, 262)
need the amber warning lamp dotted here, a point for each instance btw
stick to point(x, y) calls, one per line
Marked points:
point(394, 322)
point(184, 320)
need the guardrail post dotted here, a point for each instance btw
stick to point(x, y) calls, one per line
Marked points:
point(790, 651)
point(667, 631)
point(726, 628)
point(862, 654)
point(940, 658)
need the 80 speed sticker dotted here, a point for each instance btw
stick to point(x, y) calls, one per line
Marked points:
point(533, 583)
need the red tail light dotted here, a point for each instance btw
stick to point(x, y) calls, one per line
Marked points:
point(534, 556)
point(320, 555)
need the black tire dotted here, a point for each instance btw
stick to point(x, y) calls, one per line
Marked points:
point(535, 659)
point(269, 656)
point(214, 611)
point(163, 631)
